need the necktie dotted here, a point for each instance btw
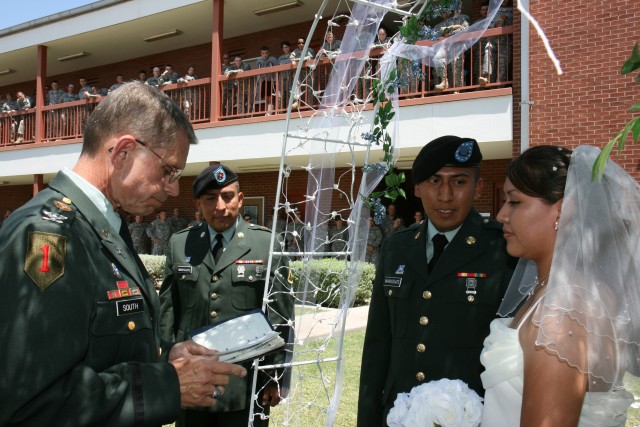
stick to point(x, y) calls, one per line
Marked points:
point(439, 242)
point(217, 248)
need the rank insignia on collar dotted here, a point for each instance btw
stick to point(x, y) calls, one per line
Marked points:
point(66, 200)
point(240, 235)
point(471, 240)
point(123, 290)
point(400, 269)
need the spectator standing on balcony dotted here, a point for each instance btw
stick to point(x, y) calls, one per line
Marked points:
point(155, 80)
point(297, 52)
point(22, 103)
point(191, 96)
point(496, 61)
point(447, 68)
point(382, 39)
point(243, 89)
point(160, 232)
point(68, 114)
point(505, 42)
point(85, 89)
point(286, 77)
point(374, 240)
point(70, 95)
point(138, 231)
point(227, 87)
point(9, 104)
point(168, 76)
point(119, 82)
point(177, 222)
point(55, 95)
point(331, 46)
point(264, 82)
point(304, 73)
point(487, 46)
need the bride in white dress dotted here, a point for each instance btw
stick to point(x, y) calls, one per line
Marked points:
point(559, 361)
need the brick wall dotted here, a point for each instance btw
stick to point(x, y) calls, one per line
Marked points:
point(589, 102)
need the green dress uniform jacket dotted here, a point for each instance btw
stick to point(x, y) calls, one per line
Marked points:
point(79, 326)
point(197, 292)
point(427, 326)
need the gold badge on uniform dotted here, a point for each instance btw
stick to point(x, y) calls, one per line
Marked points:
point(62, 206)
point(45, 258)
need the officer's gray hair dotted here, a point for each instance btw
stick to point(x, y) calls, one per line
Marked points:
point(140, 110)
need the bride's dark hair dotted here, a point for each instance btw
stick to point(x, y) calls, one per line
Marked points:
point(541, 172)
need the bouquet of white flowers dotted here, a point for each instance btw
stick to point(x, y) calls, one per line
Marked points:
point(444, 403)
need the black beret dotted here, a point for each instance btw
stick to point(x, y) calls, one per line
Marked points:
point(213, 177)
point(447, 150)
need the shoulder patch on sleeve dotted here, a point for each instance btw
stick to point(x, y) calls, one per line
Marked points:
point(45, 258)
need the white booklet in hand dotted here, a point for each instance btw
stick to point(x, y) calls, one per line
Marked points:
point(241, 338)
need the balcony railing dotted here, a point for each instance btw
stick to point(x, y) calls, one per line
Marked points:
point(266, 91)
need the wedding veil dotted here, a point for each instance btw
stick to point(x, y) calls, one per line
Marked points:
point(590, 313)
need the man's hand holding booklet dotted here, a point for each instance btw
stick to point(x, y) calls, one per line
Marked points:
point(240, 338)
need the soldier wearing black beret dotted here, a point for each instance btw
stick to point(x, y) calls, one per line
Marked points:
point(216, 270)
point(438, 285)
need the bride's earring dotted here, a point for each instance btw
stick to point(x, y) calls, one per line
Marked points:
point(555, 225)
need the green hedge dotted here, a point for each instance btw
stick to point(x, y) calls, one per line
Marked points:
point(325, 277)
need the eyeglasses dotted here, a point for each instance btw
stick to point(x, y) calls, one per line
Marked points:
point(173, 173)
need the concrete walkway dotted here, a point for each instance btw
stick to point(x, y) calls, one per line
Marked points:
point(317, 323)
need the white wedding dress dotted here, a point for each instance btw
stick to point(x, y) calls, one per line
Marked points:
point(503, 381)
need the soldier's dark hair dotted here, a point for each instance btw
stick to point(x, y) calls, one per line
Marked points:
point(541, 172)
point(140, 110)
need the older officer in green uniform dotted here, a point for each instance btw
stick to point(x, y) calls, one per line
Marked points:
point(216, 270)
point(438, 285)
point(78, 310)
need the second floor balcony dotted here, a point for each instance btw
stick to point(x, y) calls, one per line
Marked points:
point(240, 97)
